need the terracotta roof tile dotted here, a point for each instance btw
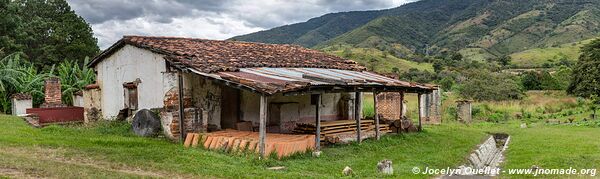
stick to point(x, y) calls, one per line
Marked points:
point(21, 96)
point(212, 56)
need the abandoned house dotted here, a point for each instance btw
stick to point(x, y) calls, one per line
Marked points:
point(265, 89)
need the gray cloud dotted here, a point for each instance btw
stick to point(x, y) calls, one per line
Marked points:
point(214, 19)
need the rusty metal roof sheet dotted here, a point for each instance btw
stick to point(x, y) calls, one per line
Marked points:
point(287, 80)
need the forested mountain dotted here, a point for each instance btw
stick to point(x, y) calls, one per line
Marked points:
point(478, 29)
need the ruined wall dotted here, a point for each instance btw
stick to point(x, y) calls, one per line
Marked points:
point(92, 104)
point(126, 65)
point(431, 106)
point(52, 93)
point(464, 111)
point(206, 96)
point(202, 106)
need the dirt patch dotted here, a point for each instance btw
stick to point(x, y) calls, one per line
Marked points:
point(15, 173)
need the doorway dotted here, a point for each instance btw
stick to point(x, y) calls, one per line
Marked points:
point(230, 107)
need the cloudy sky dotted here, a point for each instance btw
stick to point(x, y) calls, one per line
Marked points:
point(211, 19)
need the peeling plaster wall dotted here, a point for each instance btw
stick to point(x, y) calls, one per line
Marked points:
point(206, 96)
point(126, 65)
point(331, 108)
point(92, 102)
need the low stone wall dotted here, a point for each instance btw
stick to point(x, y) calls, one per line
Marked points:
point(488, 155)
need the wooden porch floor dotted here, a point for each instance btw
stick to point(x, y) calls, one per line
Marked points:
point(246, 141)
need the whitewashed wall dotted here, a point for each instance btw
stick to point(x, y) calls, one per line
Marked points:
point(126, 65)
point(19, 107)
point(330, 106)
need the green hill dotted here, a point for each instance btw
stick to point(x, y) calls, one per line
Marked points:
point(377, 60)
point(535, 58)
point(478, 29)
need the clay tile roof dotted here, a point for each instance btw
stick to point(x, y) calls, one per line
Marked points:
point(92, 86)
point(21, 96)
point(212, 56)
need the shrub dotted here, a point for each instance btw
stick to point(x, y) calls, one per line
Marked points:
point(482, 85)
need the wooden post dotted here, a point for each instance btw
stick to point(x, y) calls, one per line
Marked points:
point(376, 117)
point(182, 133)
point(420, 112)
point(318, 122)
point(357, 108)
point(262, 131)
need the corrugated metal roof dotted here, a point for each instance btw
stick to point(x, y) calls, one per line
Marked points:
point(287, 80)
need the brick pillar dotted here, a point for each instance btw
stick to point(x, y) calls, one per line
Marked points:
point(53, 93)
point(388, 105)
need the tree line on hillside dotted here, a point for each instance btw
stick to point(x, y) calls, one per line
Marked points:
point(491, 80)
point(41, 39)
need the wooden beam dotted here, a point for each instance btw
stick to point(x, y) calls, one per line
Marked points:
point(318, 122)
point(376, 117)
point(357, 112)
point(262, 130)
point(420, 112)
point(182, 133)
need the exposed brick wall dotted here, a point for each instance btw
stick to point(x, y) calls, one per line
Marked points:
point(170, 115)
point(52, 93)
point(388, 105)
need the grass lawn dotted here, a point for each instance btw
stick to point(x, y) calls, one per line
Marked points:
point(111, 151)
point(549, 147)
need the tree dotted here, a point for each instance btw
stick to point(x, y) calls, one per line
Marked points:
point(483, 85)
point(504, 60)
point(456, 57)
point(373, 63)
point(10, 25)
point(73, 78)
point(593, 105)
point(51, 32)
point(585, 79)
point(531, 80)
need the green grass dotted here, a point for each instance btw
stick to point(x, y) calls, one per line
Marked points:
point(549, 147)
point(537, 57)
point(110, 150)
point(96, 152)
